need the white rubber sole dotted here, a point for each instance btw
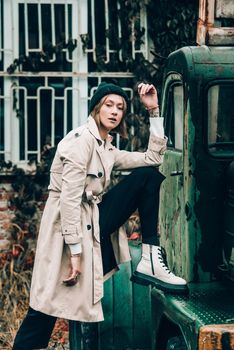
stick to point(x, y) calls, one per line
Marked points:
point(145, 280)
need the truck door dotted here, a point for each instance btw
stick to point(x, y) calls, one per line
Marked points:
point(171, 201)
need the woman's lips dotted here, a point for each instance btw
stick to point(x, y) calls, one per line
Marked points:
point(112, 120)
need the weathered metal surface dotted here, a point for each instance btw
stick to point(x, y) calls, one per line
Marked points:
point(83, 335)
point(195, 240)
point(192, 204)
point(216, 337)
point(225, 8)
point(171, 215)
point(207, 304)
point(210, 27)
point(220, 36)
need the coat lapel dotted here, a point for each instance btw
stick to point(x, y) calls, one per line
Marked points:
point(103, 155)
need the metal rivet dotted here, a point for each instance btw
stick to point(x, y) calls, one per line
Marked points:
point(100, 174)
point(77, 134)
point(89, 227)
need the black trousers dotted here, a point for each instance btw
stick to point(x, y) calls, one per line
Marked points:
point(139, 190)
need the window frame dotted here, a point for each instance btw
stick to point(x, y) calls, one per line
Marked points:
point(172, 80)
point(214, 82)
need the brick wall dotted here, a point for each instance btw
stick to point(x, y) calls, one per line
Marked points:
point(6, 212)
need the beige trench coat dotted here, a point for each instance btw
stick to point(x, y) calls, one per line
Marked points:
point(80, 173)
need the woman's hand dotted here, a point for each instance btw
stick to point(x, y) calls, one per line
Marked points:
point(148, 96)
point(75, 271)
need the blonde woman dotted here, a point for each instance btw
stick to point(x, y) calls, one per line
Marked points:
point(80, 242)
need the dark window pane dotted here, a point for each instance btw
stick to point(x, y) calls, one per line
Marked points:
point(221, 119)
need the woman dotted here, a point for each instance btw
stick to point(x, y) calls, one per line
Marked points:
point(78, 245)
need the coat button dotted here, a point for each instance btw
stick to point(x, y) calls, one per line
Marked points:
point(89, 227)
point(100, 174)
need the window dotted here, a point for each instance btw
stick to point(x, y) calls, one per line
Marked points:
point(45, 31)
point(174, 115)
point(220, 111)
point(49, 68)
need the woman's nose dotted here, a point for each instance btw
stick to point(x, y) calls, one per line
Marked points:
point(114, 110)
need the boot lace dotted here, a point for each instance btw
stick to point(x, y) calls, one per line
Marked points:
point(162, 257)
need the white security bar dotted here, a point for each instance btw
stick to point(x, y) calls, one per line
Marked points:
point(52, 20)
point(93, 32)
point(1, 21)
point(53, 28)
point(106, 30)
point(119, 31)
point(106, 16)
point(143, 23)
point(1, 122)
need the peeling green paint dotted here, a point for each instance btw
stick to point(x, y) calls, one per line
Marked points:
point(192, 207)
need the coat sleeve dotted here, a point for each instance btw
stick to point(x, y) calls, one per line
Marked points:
point(152, 157)
point(74, 154)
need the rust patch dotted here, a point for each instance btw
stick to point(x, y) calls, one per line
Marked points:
point(216, 337)
point(209, 24)
point(219, 69)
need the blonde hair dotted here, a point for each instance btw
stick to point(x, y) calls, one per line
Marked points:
point(122, 127)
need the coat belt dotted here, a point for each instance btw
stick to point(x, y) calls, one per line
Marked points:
point(93, 201)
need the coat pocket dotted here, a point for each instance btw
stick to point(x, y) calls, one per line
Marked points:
point(95, 181)
point(95, 173)
point(72, 234)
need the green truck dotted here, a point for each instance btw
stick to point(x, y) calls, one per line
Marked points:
point(197, 200)
point(197, 197)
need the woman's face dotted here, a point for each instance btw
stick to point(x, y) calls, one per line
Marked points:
point(111, 113)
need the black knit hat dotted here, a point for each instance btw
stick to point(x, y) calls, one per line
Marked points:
point(106, 89)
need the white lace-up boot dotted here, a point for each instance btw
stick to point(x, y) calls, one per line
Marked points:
point(152, 269)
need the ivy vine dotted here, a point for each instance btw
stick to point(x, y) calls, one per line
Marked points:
point(33, 61)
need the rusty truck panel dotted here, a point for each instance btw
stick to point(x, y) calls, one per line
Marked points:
point(216, 337)
point(224, 9)
point(214, 25)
